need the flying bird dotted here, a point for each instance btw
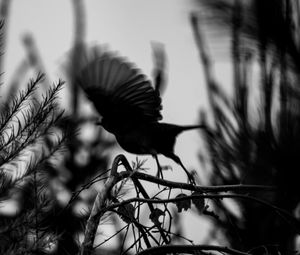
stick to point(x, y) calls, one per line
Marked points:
point(129, 105)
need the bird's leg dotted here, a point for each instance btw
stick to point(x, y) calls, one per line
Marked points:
point(178, 161)
point(159, 169)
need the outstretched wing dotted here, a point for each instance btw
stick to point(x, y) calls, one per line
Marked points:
point(119, 92)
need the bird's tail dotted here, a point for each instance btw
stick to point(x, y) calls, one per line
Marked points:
point(204, 128)
point(168, 133)
point(174, 130)
point(189, 127)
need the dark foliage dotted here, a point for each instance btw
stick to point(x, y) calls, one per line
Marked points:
point(40, 164)
point(252, 143)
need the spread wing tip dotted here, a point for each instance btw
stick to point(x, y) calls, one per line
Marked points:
point(118, 83)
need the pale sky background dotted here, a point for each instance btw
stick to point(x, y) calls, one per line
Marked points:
point(126, 26)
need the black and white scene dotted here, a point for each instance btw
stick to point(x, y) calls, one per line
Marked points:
point(141, 127)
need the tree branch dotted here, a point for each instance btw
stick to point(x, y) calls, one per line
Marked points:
point(98, 209)
point(189, 249)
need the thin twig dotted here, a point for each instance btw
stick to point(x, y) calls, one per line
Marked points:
point(97, 210)
point(190, 249)
point(202, 189)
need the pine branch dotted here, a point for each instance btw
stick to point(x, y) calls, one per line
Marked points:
point(16, 104)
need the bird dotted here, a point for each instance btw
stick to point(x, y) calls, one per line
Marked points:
point(130, 106)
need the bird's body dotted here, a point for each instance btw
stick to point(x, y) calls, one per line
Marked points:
point(153, 139)
point(129, 106)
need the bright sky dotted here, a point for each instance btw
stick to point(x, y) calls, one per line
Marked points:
point(127, 27)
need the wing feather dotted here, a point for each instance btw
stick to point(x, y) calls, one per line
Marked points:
point(118, 90)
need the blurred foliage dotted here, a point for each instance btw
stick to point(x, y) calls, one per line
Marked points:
point(44, 162)
point(254, 137)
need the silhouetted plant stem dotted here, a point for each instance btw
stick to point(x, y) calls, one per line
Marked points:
point(34, 57)
point(36, 210)
point(17, 77)
point(140, 187)
point(236, 21)
point(4, 11)
point(202, 189)
point(95, 215)
point(99, 207)
point(190, 249)
point(261, 149)
point(206, 61)
point(289, 218)
point(79, 33)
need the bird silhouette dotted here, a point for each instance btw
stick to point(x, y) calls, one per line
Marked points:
point(130, 107)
